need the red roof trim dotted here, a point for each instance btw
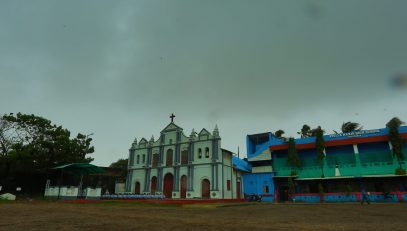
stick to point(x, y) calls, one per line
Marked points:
point(337, 142)
point(356, 141)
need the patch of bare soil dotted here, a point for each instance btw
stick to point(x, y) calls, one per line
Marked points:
point(51, 215)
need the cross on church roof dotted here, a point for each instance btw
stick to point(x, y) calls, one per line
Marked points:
point(172, 116)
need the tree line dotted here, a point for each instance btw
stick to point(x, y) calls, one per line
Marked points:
point(33, 144)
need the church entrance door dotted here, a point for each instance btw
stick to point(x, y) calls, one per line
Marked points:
point(153, 184)
point(137, 189)
point(168, 185)
point(238, 190)
point(205, 188)
point(183, 186)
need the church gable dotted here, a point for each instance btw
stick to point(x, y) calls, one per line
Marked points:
point(171, 127)
point(204, 134)
point(142, 143)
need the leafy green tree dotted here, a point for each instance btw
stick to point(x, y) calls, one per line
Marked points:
point(351, 127)
point(305, 131)
point(32, 143)
point(122, 165)
point(293, 158)
point(395, 139)
point(279, 133)
point(320, 147)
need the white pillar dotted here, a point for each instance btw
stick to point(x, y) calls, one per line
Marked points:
point(337, 172)
point(355, 149)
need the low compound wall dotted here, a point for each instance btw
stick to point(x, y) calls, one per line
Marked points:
point(71, 193)
point(349, 197)
point(93, 193)
point(61, 193)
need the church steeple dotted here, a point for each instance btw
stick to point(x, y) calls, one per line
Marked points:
point(134, 144)
point(193, 133)
point(216, 131)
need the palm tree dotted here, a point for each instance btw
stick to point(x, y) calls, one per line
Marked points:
point(395, 139)
point(279, 133)
point(350, 127)
point(305, 131)
point(293, 158)
point(315, 131)
point(320, 146)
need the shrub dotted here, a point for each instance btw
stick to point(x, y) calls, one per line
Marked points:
point(400, 171)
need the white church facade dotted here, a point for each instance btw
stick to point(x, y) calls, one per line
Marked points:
point(180, 166)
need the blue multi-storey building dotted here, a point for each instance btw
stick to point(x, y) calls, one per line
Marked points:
point(355, 161)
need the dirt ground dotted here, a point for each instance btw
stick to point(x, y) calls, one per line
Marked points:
point(51, 215)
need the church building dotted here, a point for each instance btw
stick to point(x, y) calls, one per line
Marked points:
point(180, 166)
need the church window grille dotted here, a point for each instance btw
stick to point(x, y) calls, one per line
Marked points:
point(199, 153)
point(184, 157)
point(207, 152)
point(169, 157)
point(155, 160)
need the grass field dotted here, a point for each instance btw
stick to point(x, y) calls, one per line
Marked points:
point(118, 215)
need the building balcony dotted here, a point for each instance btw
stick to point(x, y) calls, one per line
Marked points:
point(355, 169)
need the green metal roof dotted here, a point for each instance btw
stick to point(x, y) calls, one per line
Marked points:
point(80, 168)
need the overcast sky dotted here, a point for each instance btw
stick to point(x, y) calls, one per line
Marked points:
point(118, 69)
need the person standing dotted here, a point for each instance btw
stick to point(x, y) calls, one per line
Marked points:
point(365, 197)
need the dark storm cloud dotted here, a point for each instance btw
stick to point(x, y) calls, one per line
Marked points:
point(117, 68)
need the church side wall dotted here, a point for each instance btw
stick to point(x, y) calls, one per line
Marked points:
point(227, 194)
point(227, 176)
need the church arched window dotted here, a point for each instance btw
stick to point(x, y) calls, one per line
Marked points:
point(184, 157)
point(155, 160)
point(144, 158)
point(169, 157)
point(199, 153)
point(207, 152)
point(138, 159)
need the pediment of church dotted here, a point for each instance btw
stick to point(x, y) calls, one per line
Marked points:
point(143, 141)
point(171, 127)
point(204, 132)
